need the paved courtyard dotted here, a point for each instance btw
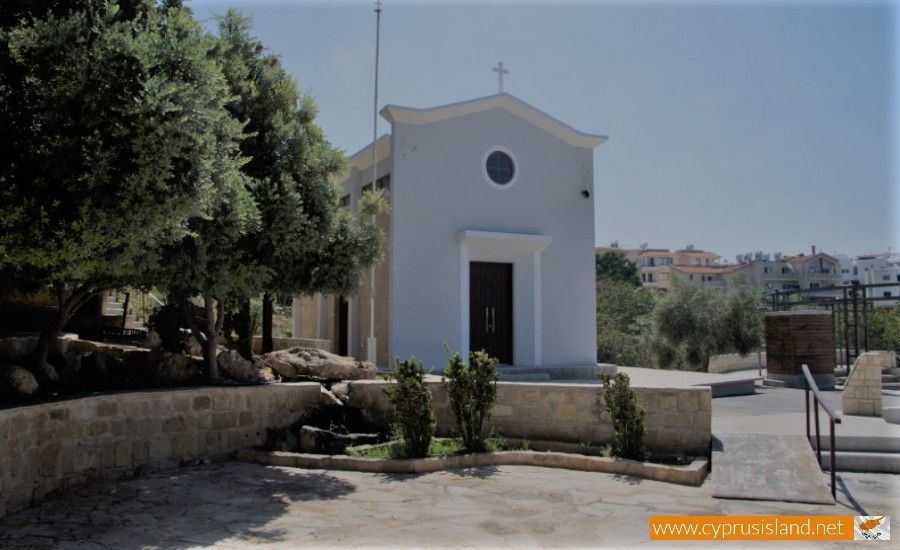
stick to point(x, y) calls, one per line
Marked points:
point(237, 505)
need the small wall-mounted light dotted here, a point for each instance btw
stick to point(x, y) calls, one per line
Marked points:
point(586, 194)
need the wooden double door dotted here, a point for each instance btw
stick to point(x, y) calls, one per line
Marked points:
point(491, 309)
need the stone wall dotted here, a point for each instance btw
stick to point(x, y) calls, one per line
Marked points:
point(732, 362)
point(795, 338)
point(59, 446)
point(678, 420)
point(862, 391)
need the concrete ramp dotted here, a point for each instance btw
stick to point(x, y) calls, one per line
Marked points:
point(767, 467)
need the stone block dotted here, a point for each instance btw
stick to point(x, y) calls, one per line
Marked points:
point(225, 420)
point(566, 412)
point(668, 401)
point(107, 457)
point(50, 463)
point(181, 404)
point(705, 402)
point(173, 424)
point(202, 402)
point(246, 418)
point(866, 408)
point(221, 401)
point(118, 428)
point(59, 413)
point(18, 425)
point(160, 448)
point(688, 401)
point(538, 411)
point(106, 408)
point(122, 451)
point(97, 429)
point(530, 395)
point(140, 452)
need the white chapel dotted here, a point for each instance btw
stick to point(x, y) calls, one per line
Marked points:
point(490, 240)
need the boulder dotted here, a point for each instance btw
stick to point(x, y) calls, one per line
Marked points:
point(234, 366)
point(341, 390)
point(17, 381)
point(311, 362)
point(328, 399)
point(316, 440)
point(164, 368)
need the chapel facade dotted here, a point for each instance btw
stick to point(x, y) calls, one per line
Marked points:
point(490, 240)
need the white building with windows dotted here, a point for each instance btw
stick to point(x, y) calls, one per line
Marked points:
point(490, 239)
point(875, 269)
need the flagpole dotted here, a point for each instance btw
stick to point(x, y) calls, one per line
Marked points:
point(372, 344)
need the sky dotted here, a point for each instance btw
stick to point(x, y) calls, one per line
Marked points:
point(735, 126)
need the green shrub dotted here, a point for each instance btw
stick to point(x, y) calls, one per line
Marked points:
point(627, 417)
point(472, 391)
point(411, 400)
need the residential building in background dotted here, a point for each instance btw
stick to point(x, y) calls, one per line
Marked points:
point(658, 266)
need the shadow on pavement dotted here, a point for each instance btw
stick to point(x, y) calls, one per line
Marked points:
point(188, 507)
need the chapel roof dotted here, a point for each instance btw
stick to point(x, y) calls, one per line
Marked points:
point(508, 102)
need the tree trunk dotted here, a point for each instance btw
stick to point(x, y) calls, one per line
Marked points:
point(213, 322)
point(245, 331)
point(43, 370)
point(267, 344)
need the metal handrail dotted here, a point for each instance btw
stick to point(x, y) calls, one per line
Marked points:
point(834, 418)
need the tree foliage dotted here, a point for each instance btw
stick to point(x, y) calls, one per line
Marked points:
point(612, 266)
point(115, 137)
point(624, 316)
point(884, 329)
point(693, 323)
point(302, 243)
point(140, 150)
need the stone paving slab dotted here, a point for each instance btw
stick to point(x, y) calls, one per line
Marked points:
point(238, 505)
point(767, 467)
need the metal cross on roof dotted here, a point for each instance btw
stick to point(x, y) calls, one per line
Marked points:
point(500, 72)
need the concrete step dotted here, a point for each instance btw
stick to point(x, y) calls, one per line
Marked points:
point(847, 461)
point(777, 383)
point(862, 443)
point(891, 415)
point(526, 377)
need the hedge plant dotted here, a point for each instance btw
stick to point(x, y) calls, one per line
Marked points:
point(411, 399)
point(472, 392)
point(627, 416)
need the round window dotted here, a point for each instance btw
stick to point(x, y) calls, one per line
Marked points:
point(500, 168)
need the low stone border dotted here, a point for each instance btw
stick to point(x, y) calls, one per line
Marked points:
point(691, 474)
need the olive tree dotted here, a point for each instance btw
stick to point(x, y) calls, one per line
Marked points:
point(115, 138)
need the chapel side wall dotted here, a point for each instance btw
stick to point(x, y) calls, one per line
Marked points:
point(309, 318)
point(382, 302)
point(59, 446)
point(678, 420)
point(441, 189)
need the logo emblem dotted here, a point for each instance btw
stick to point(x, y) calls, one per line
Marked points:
point(872, 528)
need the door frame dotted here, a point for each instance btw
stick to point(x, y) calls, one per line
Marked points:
point(506, 350)
point(524, 252)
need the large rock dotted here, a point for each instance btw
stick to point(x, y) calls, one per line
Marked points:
point(234, 366)
point(17, 381)
point(164, 368)
point(311, 362)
